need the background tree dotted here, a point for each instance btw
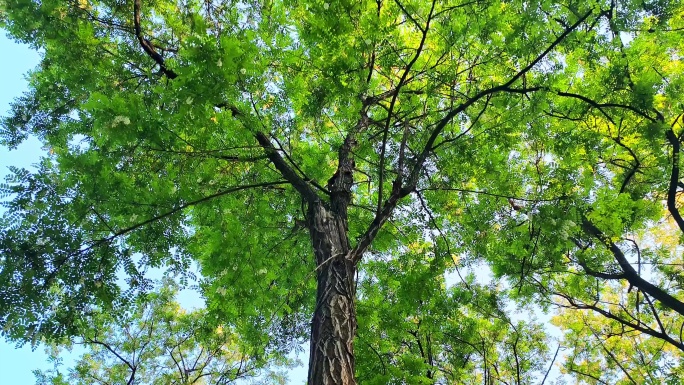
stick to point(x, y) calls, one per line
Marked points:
point(157, 342)
point(602, 351)
point(414, 328)
point(217, 131)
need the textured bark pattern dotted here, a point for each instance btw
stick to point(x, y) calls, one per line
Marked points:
point(333, 326)
point(334, 322)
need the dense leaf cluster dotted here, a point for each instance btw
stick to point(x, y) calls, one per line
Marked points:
point(537, 141)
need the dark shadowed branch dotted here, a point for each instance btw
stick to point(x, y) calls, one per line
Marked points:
point(630, 274)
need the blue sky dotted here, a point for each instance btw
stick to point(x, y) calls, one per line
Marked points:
point(17, 365)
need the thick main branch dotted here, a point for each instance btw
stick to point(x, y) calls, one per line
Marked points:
point(630, 274)
point(286, 171)
point(147, 45)
point(674, 180)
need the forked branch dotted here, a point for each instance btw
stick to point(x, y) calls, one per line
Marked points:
point(147, 46)
point(574, 304)
point(630, 274)
point(401, 188)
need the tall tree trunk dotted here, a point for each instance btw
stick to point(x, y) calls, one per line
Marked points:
point(334, 321)
point(333, 326)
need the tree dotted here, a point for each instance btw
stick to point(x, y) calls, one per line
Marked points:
point(602, 351)
point(157, 342)
point(414, 329)
point(277, 142)
point(604, 243)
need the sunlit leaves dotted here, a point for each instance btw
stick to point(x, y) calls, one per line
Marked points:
point(533, 138)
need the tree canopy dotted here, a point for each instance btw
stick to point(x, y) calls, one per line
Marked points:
point(328, 161)
point(155, 342)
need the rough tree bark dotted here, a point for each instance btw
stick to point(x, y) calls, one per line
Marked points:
point(333, 326)
point(334, 321)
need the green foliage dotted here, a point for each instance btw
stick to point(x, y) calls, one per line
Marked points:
point(536, 140)
point(156, 342)
point(415, 329)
